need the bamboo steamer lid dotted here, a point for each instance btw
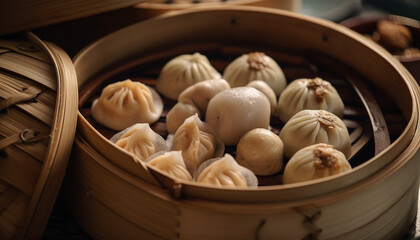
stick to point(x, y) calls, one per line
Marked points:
point(38, 101)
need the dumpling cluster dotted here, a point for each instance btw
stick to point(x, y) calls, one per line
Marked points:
point(123, 104)
point(197, 142)
point(212, 113)
point(194, 100)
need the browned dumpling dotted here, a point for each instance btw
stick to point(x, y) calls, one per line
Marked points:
point(313, 162)
point(261, 151)
point(123, 104)
point(309, 127)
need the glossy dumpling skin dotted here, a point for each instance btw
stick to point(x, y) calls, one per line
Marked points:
point(308, 93)
point(309, 127)
point(140, 140)
point(225, 172)
point(171, 163)
point(313, 162)
point(261, 151)
point(267, 91)
point(255, 66)
point(125, 103)
point(197, 142)
point(178, 113)
point(235, 111)
point(182, 72)
point(201, 92)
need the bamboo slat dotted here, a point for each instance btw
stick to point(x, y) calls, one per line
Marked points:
point(21, 170)
point(39, 71)
point(10, 127)
point(10, 217)
point(16, 210)
point(40, 107)
point(8, 196)
point(23, 47)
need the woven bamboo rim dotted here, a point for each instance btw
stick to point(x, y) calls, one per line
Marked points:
point(39, 157)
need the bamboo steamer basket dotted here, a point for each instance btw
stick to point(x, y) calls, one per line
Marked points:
point(113, 196)
point(38, 100)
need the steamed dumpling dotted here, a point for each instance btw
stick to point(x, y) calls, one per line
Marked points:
point(182, 72)
point(201, 92)
point(225, 172)
point(255, 66)
point(197, 142)
point(267, 91)
point(125, 103)
point(170, 163)
point(309, 127)
point(140, 140)
point(307, 93)
point(178, 113)
point(313, 162)
point(261, 151)
point(236, 111)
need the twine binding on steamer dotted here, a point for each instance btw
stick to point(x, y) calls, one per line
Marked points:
point(311, 215)
point(26, 136)
point(27, 94)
